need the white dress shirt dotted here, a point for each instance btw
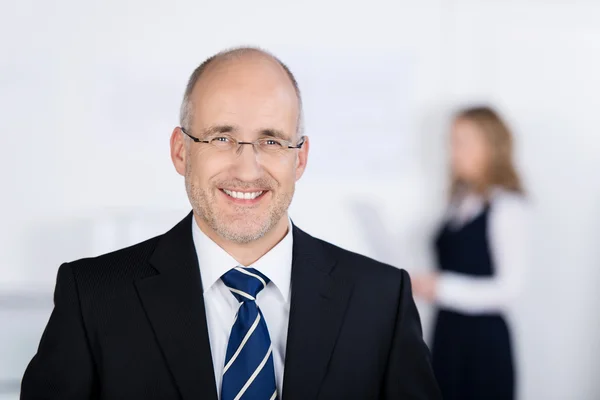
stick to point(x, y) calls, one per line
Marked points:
point(508, 238)
point(221, 306)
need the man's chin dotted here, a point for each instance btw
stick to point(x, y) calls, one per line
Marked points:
point(242, 231)
point(241, 237)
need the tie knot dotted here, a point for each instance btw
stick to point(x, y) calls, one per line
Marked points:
point(245, 283)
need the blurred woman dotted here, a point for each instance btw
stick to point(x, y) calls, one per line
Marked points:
point(481, 251)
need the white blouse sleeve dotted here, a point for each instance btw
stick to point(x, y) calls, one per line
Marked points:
point(508, 233)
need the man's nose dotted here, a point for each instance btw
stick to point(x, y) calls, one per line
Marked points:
point(247, 164)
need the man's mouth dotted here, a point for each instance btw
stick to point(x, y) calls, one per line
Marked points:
point(243, 195)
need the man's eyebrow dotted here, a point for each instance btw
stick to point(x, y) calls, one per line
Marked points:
point(216, 129)
point(274, 133)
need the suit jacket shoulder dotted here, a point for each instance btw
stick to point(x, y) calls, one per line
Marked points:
point(119, 267)
point(363, 270)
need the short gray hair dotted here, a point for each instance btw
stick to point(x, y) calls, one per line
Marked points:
point(186, 112)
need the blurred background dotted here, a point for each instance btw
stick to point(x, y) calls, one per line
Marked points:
point(90, 92)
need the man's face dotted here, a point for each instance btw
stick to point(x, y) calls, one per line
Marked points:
point(242, 194)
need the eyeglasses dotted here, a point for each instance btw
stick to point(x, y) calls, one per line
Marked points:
point(267, 145)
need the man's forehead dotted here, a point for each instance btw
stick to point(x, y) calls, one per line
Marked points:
point(233, 104)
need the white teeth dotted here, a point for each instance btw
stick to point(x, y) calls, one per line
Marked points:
point(242, 195)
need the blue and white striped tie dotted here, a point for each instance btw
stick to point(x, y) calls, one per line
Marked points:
point(249, 372)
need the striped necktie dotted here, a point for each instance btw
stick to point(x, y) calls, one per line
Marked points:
point(249, 372)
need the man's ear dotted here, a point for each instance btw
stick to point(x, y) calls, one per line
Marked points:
point(178, 151)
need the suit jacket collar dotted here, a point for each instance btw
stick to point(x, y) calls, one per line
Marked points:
point(320, 294)
point(175, 307)
point(174, 304)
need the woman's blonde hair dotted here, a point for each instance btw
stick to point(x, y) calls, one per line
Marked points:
point(500, 169)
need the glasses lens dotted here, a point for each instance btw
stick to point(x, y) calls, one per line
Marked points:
point(222, 142)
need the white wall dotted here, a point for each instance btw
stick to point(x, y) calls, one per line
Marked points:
point(89, 93)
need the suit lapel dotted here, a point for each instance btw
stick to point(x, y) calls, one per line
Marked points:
point(174, 303)
point(318, 303)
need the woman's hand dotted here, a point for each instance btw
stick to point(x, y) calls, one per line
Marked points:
point(425, 286)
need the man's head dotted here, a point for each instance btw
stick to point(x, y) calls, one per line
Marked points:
point(243, 95)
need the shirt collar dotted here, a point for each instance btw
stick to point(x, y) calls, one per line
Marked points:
point(214, 261)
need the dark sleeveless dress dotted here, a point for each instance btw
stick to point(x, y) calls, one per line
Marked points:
point(472, 354)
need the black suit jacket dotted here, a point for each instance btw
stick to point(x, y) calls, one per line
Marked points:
point(131, 325)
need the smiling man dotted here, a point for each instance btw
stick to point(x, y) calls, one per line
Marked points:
point(234, 302)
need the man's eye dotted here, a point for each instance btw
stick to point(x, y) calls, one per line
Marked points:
point(272, 142)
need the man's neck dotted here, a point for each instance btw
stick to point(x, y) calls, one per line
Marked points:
point(248, 253)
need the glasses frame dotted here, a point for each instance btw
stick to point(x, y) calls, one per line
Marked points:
point(239, 143)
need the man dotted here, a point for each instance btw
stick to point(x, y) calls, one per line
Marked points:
point(234, 302)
